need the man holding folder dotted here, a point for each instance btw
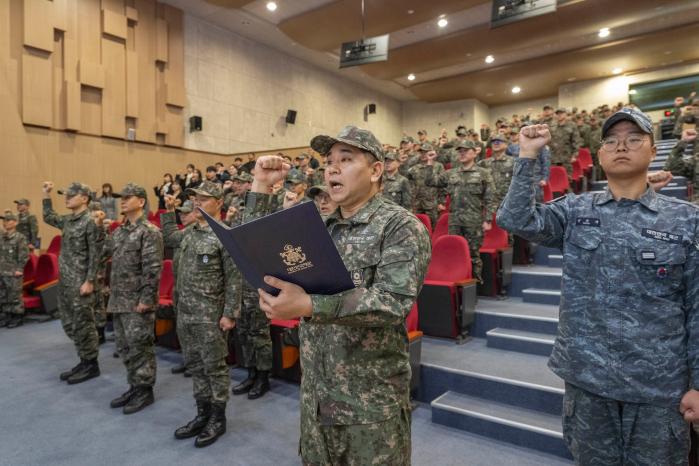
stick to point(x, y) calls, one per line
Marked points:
point(355, 405)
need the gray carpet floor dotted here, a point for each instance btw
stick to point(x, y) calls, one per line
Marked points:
point(46, 422)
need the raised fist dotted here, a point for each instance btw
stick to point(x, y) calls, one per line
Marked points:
point(269, 169)
point(170, 202)
point(47, 186)
point(290, 199)
point(689, 135)
point(532, 139)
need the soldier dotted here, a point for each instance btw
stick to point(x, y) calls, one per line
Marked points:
point(565, 142)
point(298, 185)
point(426, 199)
point(395, 186)
point(547, 116)
point(78, 262)
point(422, 136)
point(136, 249)
point(186, 213)
point(628, 331)
point(473, 199)
point(500, 166)
point(101, 292)
point(13, 255)
point(688, 118)
point(236, 198)
point(355, 405)
point(208, 301)
point(27, 224)
point(316, 176)
point(687, 168)
point(322, 199)
point(595, 141)
point(583, 130)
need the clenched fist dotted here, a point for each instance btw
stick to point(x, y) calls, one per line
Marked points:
point(269, 169)
point(532, 139)
point(689, 135)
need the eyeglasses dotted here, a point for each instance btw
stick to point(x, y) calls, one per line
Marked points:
point(633, 142)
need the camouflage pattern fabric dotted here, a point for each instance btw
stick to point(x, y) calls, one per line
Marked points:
point(13, 255)
point(425, 197)
point(501, 171)
point(397, 188)
point(135, 343)
point(252, 328)
point(474, 236)
point(629, 316)
point(565, 142)
point(607, 432)
point(354, 350)
point(353, 136)
point(29, 227)
point(204, 349)
point(81, 247)
point(687, 168)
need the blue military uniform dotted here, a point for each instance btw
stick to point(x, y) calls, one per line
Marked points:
point(627, 339)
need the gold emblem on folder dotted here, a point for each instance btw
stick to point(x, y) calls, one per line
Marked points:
point(294, 258)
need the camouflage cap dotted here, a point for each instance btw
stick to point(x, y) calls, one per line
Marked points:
point(243, 177)
point(317, 189)
point(391, 156)
point(426, 146)
point(406, 139)
point(302, 156)
point(8, 215)
point(633, 115)
point(561, 110)
point(461, 131)
point(514, 130)
point(465, 145)
point(76, 188)
point(422, 131)
point(186, 207)
point(95, 206)
point(351, 135)
point(22, 201)
point(132, 189)
point(295, 178)
point(498, 137)
point(207, 188)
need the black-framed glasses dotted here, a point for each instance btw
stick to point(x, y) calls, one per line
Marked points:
point(632, 142)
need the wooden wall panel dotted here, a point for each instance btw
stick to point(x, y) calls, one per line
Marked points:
point(145, 48)
point(91, 74)
point(59, 92)
point(161, 40)
point(131, 84)
point(90, 110)
point(37, 88)
point(38, 26)
point(174, 71)
point(72, 93)
point(114, 24)
point(114, 92)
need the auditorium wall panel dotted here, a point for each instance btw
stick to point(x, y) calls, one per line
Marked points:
point(435, 116)
point(521, 108)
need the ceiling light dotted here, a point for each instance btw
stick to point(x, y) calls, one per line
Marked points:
point(516, 90)
point(617, 71)
point(489, 59)
point(571, 79)
point(633, 92)
point(442, 23)
point(604, 32)
point(411, 77)
point(272, 6)
point(410, 12)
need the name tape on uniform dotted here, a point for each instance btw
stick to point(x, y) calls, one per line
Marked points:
point(661, 235)
point(588, 221)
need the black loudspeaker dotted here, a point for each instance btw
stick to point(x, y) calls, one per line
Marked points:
point(195, 123)
point(291, 116)
point(371, 108)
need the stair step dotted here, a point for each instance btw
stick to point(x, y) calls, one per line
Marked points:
point(514, 313)
point(541, 254)
point(521, 341)
point(555, 260)
point(519, 426)
point(534, 276)
point(541, 296)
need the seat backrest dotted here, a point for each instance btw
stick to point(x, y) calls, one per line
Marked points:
point(154, 218)
point(451, 259)
point(30, 267)
point(411, 322)
point(442, 227)
point(585, 157)
point(55, 245)
point(425, 219)
point(447, 203)
point(577, 170)
point(548, 194)
point(46, 269)
point(167, 279)
point(558, 179)
point(495, 238)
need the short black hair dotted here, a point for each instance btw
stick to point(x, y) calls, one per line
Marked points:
point(210, 168)
point(237, 159)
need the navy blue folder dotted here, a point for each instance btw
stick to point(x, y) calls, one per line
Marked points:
point(292, 245)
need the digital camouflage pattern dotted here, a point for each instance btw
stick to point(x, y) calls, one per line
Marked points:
point(607, 432)
point(501, 171)
point(629, 297)
point(29, 227)
point(564, 145)
point(252, 328)
point(135, 342)
point(688, 168)
point(101, 290)
point(81, 248)
point(353, 136)
point(13, 255)
point(204, 349)
point(426, 198)
point(354, 349)
point(397, 188)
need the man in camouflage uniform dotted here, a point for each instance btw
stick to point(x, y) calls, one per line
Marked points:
point(595, 142)
point(687, 168)
point(27, 224)
point(689, 117)
point(547, 116)
point(359, 411)
point(565, 142)
point(628, 335)
point(395, 186)
point(187, 217)
point(101, 291)
point(136, 249)
point(500, 166)
point(208, 301)
point(78, 262)
point(472, 199)
point(583, 130)
point(236, 198)
point(322, 199)
point(426, 199)
point(13, 255)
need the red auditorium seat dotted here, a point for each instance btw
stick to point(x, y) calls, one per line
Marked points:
point(577, 176)
point(55, 246)
point(448, 297)
point(414, 346)
point(585, 159)
point(558, 179)
point(154, 218)
point(442, 227)
point(447, 204)
point(548, 194)
point(113, 226)
point(167, 284)
point(29, 272)
point(286, 362)
point(496, 255)
point(425, 219)
point(45, 278)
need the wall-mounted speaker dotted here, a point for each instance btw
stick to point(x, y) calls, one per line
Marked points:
point(371, 109)
point(196, 123)
point(291, 116)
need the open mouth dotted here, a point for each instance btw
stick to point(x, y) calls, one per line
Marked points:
point(335, 186)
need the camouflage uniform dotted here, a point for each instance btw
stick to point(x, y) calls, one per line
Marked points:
point(13, 255)
point(101, 290)
point(78, 262)
point(629, 318)
point(425, 198)
point(565, 142)
point(472, 194)
point(208, 288)
point(28, 226)
point(501, 171)
point(687, 168)
point(136, 250)
point(397, 188)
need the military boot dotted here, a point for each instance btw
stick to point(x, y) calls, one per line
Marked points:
point(89, 370)
point(260, 386)
point(101, 338)
point(215, 427)
point(4, 320)
point(15, 321)
point(65, 375)
point(195, 426)
point(122, 399)
point(245, 385)
point(178, 369)
point(142, 397)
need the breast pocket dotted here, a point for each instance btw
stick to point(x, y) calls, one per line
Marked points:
point(363, 265)
point(208, 257)
point(474, 187)
point(582, 246)
point(660, 266)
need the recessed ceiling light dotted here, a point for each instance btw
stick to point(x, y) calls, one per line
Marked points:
point(272, 6)
point(489, 59)
point(442, 23)
point(633, 92)
point(571, 79)
point(604, 32)
point(410, 12)
point(516, 90)
point(411, 77)
point(617, 71)
point(667, 52)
